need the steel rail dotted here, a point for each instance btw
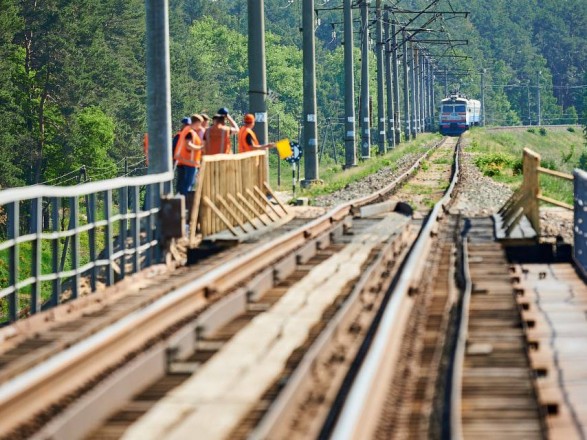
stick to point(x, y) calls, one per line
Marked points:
point(79, 364)
point(366, 391)
point(455, 419)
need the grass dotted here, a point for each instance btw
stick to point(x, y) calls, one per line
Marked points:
point(498, 154)
point(334, 178)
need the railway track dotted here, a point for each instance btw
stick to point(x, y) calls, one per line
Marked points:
point(62, 382)
point(450, 359)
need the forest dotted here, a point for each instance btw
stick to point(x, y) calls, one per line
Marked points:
point(72, 72)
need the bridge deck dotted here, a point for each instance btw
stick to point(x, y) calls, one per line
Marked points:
point(556, 302)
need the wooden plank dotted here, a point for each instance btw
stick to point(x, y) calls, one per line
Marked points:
point(555, 173)
point(556, 202)
point(221, 216)
point(232, 213)
point(268, 188)
point(266, 200)
point(251, 208)
point(242, 210)
point(196, 205)
point(260, 204)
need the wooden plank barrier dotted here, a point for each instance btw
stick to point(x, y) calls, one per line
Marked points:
point(525, 201)
point(231, 197)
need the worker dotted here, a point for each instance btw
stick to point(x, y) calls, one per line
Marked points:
point(247, 139)
point(217, 137)
point(205, 122)
point(188, 155)
point(186, 121)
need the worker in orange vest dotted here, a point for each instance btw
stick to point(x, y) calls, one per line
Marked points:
point(188, 154)
point(247, 139)
point(217, 137)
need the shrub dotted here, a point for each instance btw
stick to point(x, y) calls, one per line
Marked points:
point(532, 130)
point(494, 163)
point(543, 131)
point(517, 167)
point(583, 160)
point(548, 163)
point(571, 129)
point(566, 157)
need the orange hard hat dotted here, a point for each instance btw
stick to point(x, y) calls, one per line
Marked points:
point(249, 118)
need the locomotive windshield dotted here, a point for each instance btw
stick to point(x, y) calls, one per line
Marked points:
point(454, 108)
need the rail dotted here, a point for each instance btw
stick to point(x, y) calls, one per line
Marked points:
point(42, 229)
point(366, 392)
point(525, 201)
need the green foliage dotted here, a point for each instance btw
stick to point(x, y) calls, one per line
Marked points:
point(531, 130)
point(571, 129)
point(542, 131)
point(493, 164)
point(567, 157)
point(582, 163)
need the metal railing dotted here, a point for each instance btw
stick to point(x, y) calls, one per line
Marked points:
point(580, 220)
point(53, 238)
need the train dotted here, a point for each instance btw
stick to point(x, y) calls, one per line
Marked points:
point(458, 114)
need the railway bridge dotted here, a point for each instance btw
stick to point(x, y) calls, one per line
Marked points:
point(390, 315)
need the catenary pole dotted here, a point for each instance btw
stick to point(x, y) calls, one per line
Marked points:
point(414, 87)
point(418, 94)
point(257, 73)
point(365, 114)
point(538, 98)
point(433, 97)
point(309, 79)
point(483, 97)
point(427, 93)
point(396, 91)
point(380, 76)
point(350, 147)
point(389, 84)
point(158, 86)
point(407, 115)
point(422, 95)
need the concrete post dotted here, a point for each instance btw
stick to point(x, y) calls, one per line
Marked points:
point(538, 98)
point(158, 86)
point(257, 75)
point(483, 97)
point(309, 78)
point(380, 76)
point(349, 86)
point(365, 115)
point(389, 84)
point(407, 114)
point(414, 86)
point(394, 60)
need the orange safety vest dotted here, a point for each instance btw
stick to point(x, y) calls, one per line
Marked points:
point(184, 155)
point(243, 146)
point(218, 140)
